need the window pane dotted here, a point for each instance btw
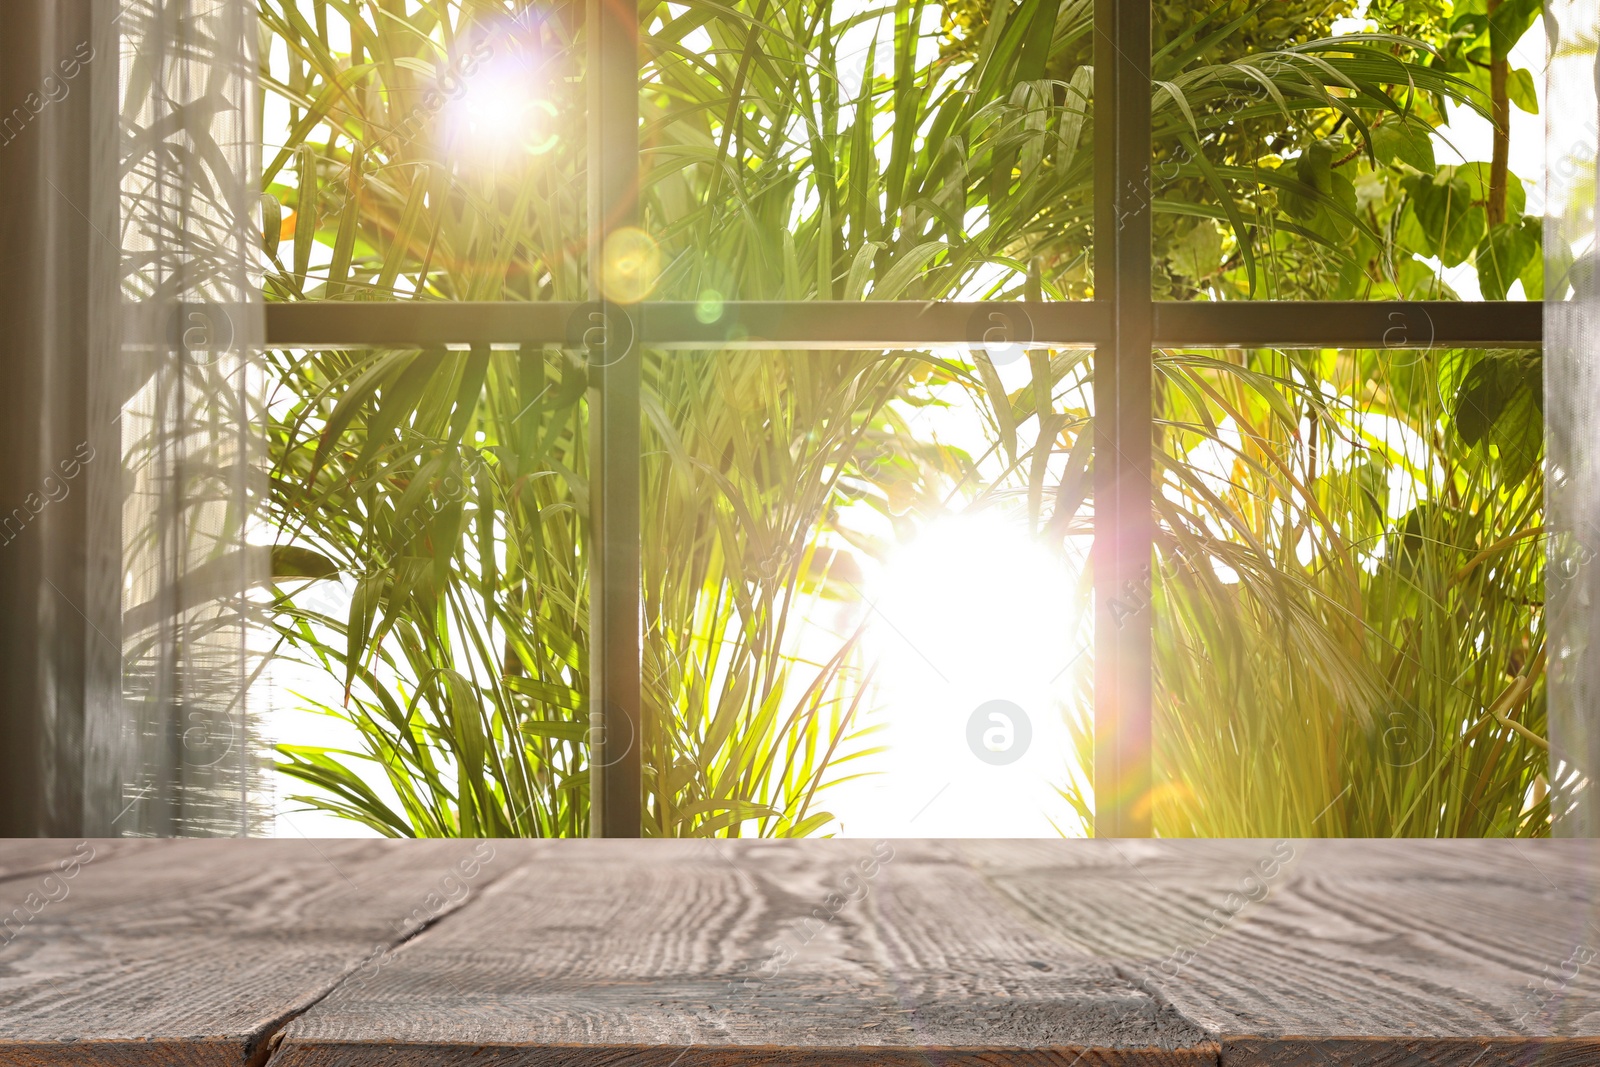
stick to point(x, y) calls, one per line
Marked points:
point(1349, 629)
point(867, 564)
point(840, 151)
point(1346, 152)
point(437, 152)
point(430, 556)
point(854, 564)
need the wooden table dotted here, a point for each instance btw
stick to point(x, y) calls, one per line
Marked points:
point(710, 954)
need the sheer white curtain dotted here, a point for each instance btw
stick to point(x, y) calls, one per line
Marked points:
point(1572, 412)
point(172, 395)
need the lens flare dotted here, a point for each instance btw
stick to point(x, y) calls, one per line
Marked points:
point(709, 307)
point(500, 113)
point(630, 266)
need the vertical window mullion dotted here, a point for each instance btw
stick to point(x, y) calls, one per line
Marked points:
point(615, 444)
point(1124, 421)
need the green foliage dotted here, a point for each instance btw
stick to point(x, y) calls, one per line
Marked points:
point(459, 652)
point(1498, 409)
point(852, 182)
point(447, 489)
point(1349, 634)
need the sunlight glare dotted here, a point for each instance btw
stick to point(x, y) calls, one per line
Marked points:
point(977, 628)
point(500, 115)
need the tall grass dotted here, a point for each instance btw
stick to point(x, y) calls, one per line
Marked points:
point(1348, 605)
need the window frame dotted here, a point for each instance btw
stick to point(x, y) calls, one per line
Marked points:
point(1123, 324)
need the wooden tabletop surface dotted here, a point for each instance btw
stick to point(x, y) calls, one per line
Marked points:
point(715, 954)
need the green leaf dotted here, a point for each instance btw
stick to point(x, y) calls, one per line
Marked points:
point(1533, 272)
point(1519, 87)
point(855, 286)
point(1198, 253)
point(809, 825)
point(400, 247)
point(1469, 21)
point(1443, 206)
point(1479, 401)
point(271, 223)
point(1502, 256)
point(545, 692)
point(1036, 41)
point(1500, 402)
point(1415, 280)
point(1404, 142)
point(556, 729)
point(1418, 534)
point(293, 561)
point(308, 211)
point(1508, 22)
point(1478, 175)
point(396, 404)
point(1518, 434)
point(1315, 166)
point(1313, 177)
point(344, 244)
point(908, 266)
point(364, 605)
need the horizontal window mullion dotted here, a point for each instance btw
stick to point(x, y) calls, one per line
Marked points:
point(746, 325)
point(822, 325)
point(1349, 324)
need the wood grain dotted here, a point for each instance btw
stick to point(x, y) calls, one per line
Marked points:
point(37, 857)
point(1361, 952)
point(743, 953)
point(728, 954)
point(1408, 1052)
point(193, 952)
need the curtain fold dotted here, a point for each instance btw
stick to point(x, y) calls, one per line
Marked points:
point(173, 394)
point(1572, 413)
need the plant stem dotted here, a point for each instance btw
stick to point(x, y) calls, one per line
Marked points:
point(1500, 115)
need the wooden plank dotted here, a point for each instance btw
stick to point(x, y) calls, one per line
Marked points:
point(742, 953)
point(1369, 952)
point(37, 857)
point(1258, 953)
point(193, 952)
point(1407, 1052)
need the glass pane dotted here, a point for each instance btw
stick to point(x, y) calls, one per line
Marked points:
point(866, 593)
point(1349, 629)
point(840, 151)
point(174, 749)
point(1348, 152)
point(430, 566)
point(865, 584)
point(434, 150)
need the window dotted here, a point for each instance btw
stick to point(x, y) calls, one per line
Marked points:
point(829, 261)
